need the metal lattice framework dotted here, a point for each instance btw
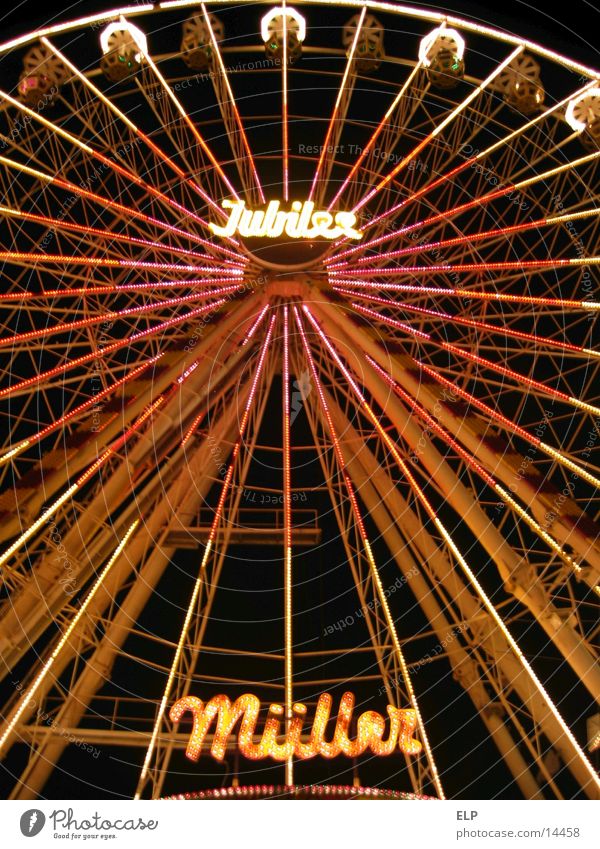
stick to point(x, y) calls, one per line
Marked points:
point(448, 375)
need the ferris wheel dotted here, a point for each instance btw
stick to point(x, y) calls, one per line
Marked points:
point(301, 456)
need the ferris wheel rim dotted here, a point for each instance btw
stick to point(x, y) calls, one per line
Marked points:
point(141, 10)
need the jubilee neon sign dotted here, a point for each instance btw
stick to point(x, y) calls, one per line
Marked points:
point(370, 729)
point(301, 221)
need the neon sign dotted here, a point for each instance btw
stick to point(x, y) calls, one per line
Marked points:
point(302, 221)
point(370, 729)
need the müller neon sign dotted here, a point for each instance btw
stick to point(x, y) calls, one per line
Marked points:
point(370, 729)
point(302, 221)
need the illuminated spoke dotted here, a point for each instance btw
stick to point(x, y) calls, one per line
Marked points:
point(526, 300)
point(369, 555)
point(406, 160)
point(78, 191)
point(468, 205)
point(475, 358)
point(102, 262)
point(188, 121)
point(534, 338)
point(431, 423)
point(130, 288)
point(105, 161)
point(136, 130)
point(469, 162)
point(102, 352)
point(198, 584)
point(418, 270)
point(376, 133)
point(68, 327)
point(503, 232)
point(62, 224)
point(287, 542)
point(403, 466)
point(79, 410)
point(81, 480)
point(335, 116)
point(285, 144)
point(28, 697)
point(227, 102)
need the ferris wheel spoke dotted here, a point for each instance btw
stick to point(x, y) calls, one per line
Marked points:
point(376, 133)
point(138, 309)
point(233, 121)
point(410, 693)
point(360, 286)
point(186, 490)
point(186, 118)
point(479, 655)
point(575, 646)
point(212, 570)
point(327, 157)
point(406, 160)
point(102, 352)
point(111, 235)
point(110, 289)
point(490, 459)
point(593, 781)
point(285, 148)
point(38, 684)
point(172, 376)
point(521, 379)
point(495, 234)
point(288, 538)
point(493, 329)
point(78, 191)
point(82, 479)
point(193, 387)
point(79, 410)
point(106, 162)
point(427, 270)
point(156, 150)
point(17, 258)
point(510, 425)
point(146, 767)
point(477, 445)
point(468, 205)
